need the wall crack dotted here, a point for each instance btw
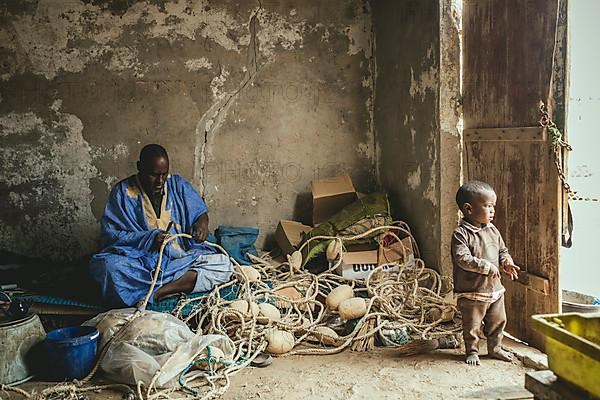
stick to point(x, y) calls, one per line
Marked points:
point(213, 118)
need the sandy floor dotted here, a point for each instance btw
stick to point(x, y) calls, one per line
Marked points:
point(377, 375)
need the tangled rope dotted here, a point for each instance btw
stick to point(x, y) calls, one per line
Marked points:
point(412, 298)
point(67, 391)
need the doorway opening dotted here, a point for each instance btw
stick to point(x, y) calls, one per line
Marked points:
point(579, 269)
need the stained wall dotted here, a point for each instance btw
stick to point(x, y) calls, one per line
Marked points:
point(252, 99)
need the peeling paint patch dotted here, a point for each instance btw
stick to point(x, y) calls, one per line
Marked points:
point(366, 150)
point(276, 30)
point(217, 84)
point(114, 152)
point(56, 105)
point(12, 124)
point(198, 64)
point(413, 134)
point(359, 33)
point(110, 181)
point(120, 150)
point(424, 83)
point(126, 59)
point(431, 193)
point(193, 20)
point(43, 42)
point(413, 179)
point(51, 176)
point(17, 200)
point(427, 80)
point(367, 82)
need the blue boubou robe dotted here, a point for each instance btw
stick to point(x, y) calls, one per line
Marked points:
point(125, 265)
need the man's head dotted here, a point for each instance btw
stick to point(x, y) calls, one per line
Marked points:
point(153, 168)
point(477, 201)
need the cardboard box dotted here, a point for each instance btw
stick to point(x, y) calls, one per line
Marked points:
point(289, 235)
point(396, 252)
point(330, 196)
point(362, 247)
point(359, 264)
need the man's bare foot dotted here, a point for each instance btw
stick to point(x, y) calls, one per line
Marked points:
point(502, 355)
point(185, 284)
point(473, 359)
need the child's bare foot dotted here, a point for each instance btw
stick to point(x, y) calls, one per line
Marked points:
point(473, 359)
point(502, 355)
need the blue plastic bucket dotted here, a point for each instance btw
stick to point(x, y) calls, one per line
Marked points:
point(71, 352)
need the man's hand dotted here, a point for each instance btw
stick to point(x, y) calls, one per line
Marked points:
point(159, 239)
point(510, 269)
point(200, 228)
point(200, 233)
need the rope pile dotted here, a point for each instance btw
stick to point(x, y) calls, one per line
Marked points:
point(411, 298)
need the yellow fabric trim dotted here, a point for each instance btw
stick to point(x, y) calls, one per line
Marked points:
point(133, 191)
point(165, 215)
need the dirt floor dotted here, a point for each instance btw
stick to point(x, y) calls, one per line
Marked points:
point(377, 375)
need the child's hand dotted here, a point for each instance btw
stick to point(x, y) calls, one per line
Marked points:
point(494, 272)
point(510, 269)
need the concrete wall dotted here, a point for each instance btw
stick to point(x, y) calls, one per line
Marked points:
point(252, 99)
point(451, 122)
point(407, 125)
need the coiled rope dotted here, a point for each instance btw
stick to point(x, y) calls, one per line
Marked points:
point(413, 298)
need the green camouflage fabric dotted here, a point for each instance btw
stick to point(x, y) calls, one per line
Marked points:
point(364, 214)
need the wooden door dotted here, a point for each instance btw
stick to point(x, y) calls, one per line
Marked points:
point(508, 53)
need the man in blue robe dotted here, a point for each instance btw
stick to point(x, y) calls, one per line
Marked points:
point(140, 211)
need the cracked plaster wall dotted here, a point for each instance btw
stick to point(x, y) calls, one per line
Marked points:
point(451, 123)
point(407, 118)
point(253, 99)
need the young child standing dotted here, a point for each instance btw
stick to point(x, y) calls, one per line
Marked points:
point(478, 254)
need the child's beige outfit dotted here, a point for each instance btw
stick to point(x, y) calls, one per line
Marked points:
point(480, 297)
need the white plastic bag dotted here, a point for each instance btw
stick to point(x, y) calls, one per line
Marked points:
point(151, 342)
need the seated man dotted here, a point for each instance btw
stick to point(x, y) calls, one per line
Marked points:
point(139, 212)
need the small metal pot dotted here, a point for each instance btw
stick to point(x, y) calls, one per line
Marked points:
point(20, 344)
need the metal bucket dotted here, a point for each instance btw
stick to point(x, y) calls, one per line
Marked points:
point(20, 340)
